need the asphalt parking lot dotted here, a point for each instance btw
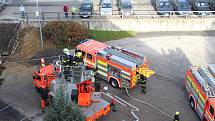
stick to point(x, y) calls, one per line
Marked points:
point(170, 54)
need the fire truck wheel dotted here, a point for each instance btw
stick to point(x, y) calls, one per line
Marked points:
point(114, 83)
point(192, 103)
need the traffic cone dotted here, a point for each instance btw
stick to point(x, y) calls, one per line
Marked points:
point(43, 104)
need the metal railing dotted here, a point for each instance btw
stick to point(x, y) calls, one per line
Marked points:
point(13, 39)
point(138, 14)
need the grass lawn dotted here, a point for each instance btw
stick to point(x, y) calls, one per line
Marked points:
point(103, 36)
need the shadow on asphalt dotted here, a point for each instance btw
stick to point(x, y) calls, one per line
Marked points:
point(165, 89)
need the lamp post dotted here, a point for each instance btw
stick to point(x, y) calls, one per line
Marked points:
point(40, 25)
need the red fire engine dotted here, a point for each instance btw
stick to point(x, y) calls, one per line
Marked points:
point(120, 67)
point(78, 87)
point(200, 85)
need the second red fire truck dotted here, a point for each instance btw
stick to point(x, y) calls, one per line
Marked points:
point(200, 85)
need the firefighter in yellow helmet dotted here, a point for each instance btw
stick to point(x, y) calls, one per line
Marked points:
point(78, 56)
point(68, 59)
point(176, 117)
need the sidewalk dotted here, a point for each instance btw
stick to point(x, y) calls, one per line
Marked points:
point(9, 11)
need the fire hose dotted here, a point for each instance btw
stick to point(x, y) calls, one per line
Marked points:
point(124, 103)
point(148, 104)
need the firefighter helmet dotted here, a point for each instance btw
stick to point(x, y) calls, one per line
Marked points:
point(66, 51)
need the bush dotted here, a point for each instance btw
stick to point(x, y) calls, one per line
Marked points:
point(65, 33)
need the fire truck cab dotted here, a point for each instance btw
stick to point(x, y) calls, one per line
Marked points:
point(120, 67)
point(200, 85)
point(209, 113)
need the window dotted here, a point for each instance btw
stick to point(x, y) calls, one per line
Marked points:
point(211, 110)
point(201, 4)
point(106, 5)
point(85, 6)
point(126, 5)
point(89, 56)
point(164, 5)
point(184, 5)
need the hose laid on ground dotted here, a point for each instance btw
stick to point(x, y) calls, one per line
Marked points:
point(121, 101)
point(148, 104)
point(134, 109)
point(6, 107)
point(109, 95)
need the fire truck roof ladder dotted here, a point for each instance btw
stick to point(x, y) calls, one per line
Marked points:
point(199, 78)
point(207, 76)
point(205, 73)
point(204, 85)
point(119, 52)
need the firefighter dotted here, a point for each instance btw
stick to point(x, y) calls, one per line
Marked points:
point(143, 84)
point(176, 117)
point(78, 56)
point(113, 104)
point(68, 59)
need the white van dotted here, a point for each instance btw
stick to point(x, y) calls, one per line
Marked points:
point(106, 7)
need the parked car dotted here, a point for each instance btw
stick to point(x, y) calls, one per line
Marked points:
point(182, 7)
point(106, 7)
point(163, 6)
point(211, 4)
point(86, 9)
point(201, 6)
point(125, 7)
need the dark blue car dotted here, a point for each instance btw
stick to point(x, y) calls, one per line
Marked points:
point(182, 7)
point(200, 6)
point(163, 7)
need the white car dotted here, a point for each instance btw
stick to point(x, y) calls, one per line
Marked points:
point(106, 7)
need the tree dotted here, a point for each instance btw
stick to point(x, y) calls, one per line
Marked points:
point(61, 109)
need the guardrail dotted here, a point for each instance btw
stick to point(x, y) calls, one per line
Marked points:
point(138, 14)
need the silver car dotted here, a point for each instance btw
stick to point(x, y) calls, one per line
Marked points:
point(125, 7)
